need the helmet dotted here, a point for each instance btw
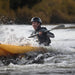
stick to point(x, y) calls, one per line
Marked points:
point(36, 19)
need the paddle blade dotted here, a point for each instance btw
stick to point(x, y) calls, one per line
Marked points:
point(59, 26)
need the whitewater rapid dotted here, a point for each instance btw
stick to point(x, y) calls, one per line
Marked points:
point(60, 60)
point(64, 40)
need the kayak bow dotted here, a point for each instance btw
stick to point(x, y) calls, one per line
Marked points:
point(6, 49)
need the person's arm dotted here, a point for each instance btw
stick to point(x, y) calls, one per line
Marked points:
point(50, 34)
point(43, 30)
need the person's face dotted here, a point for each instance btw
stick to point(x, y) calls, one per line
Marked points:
point(35, 25)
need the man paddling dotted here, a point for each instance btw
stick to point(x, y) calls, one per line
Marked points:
point(43, 36)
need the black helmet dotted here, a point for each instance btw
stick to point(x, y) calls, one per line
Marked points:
point(36, 19)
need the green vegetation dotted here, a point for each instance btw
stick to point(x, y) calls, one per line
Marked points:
point(50, 11)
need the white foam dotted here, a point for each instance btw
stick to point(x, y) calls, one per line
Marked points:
point(18, 35)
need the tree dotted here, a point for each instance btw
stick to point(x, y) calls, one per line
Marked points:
point(14, 4)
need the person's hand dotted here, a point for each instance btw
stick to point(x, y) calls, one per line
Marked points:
point(40, 33)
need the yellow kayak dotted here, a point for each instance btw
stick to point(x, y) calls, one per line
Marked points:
point(6, 49)
point(3, 52)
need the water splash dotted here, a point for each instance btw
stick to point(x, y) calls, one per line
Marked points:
point(17, 35)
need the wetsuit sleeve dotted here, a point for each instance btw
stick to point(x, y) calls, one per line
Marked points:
point(50, 34)
point(43, 29)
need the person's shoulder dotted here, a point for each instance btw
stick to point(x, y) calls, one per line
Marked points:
point(43, 29)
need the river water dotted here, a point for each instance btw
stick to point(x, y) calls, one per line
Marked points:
point(61, 60)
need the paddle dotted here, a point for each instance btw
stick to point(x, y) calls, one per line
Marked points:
point(57, 27)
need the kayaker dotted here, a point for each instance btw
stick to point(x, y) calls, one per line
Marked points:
point(43, 37)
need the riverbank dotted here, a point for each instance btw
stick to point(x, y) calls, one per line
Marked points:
point(50, 11)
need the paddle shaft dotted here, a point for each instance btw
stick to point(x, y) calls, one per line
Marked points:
point(60, 26)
